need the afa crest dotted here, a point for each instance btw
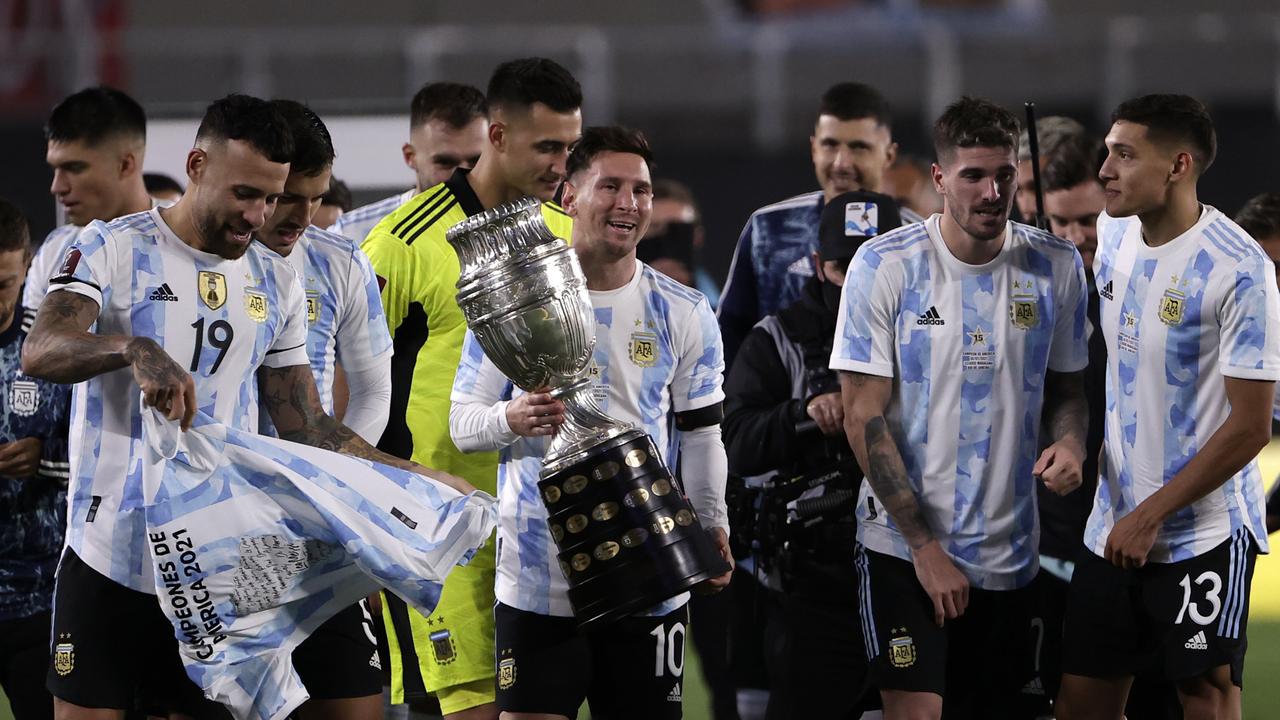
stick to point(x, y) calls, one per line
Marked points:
point(212, 287)
point(1172, 306)
point(24, 397)
point(1024, 313)
point(902, 649)
point(442, 647)
point(643, 349)
point(506, 673)
point(64, 658)
point(255, 306)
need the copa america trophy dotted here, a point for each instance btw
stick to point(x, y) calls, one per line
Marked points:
point(627, 536)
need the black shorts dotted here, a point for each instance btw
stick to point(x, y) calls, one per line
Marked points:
point(340, 659)
point(632, 668)
point(113, 647)
point(978, 662)
point(1178, 619)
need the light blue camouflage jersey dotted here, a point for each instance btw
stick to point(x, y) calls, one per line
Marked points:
point(345, 322)
point(355, 225)
point(1179, 319)
point(257, 541)
point(220, 319)
point(968, 348)
point(657, 352)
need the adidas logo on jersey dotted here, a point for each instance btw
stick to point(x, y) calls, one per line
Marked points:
point(931, 317)
point(1106, 291)
point(163, 294)
point(1197, 642)
point(675, 695)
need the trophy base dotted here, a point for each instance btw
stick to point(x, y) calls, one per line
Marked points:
point(627, 535)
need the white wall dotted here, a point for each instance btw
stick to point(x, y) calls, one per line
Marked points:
point(368, 149)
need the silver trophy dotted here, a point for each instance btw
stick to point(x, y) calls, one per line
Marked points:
point(627, 536)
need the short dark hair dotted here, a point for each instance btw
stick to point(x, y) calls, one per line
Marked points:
point(338, 194)
point(1173, 118)
point(13, 228)
point(534, 80)
point(454, 104)
point(312, 145)
point(610, 138)
point(1076, 159)
point(668, 189)
point(1260, 217)
point(95, 114)
point(974, 122)
point(159, 182)
point(251, 119)
point(855, 101)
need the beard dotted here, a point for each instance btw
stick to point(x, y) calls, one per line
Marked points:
point(215, 236)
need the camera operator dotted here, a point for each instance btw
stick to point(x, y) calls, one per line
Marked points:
point(784, 431)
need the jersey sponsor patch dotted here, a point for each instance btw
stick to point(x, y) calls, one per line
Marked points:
point(70, 263)
point(213, 289)
point(861, 219)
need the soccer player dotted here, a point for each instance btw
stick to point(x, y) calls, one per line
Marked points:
point(33, 489)
point(1073, 196)
point(96, 140)
point(1260, 217)
point(548, 667)
point(185, 308)
point(852, 148)
point(1051, 132)
point(334, 203)
point(955, 334)
point(1189, 309)
point(338, 663)
point(162, 188)
point(534, 111)
point(447, 127)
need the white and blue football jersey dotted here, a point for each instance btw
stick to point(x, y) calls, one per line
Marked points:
point(220, 319)
point(657, 352)
point(256, 541)
point(355, 225)
point(968, 348)
point(345, 321)
point(1178, 320)
point(45, 263)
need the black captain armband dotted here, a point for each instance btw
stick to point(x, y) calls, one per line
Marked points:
point(702, 417)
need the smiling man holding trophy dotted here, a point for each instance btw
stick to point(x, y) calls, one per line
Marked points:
point(594, 530)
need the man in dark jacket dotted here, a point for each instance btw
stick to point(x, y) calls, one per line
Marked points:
point(784, 433)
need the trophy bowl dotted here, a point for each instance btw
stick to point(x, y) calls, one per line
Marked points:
point(626, 534)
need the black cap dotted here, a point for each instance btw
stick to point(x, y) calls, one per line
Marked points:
point(851, 219)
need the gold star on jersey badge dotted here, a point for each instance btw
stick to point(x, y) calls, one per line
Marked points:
point(978, 336)
point(1130, 319)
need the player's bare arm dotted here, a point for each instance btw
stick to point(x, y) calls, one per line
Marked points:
point(61, 349)
point(865, 399)
point(289, 394)
point(1239, 440)
point(1067, 415)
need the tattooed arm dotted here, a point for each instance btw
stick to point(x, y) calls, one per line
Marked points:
point(290, 397)
point(865, 399)
point(1067, 414)
point(61, 349)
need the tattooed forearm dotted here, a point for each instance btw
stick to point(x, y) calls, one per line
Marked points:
point(60, 348)
point(291, 399)
point(1066, 407)
point(888, 477)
